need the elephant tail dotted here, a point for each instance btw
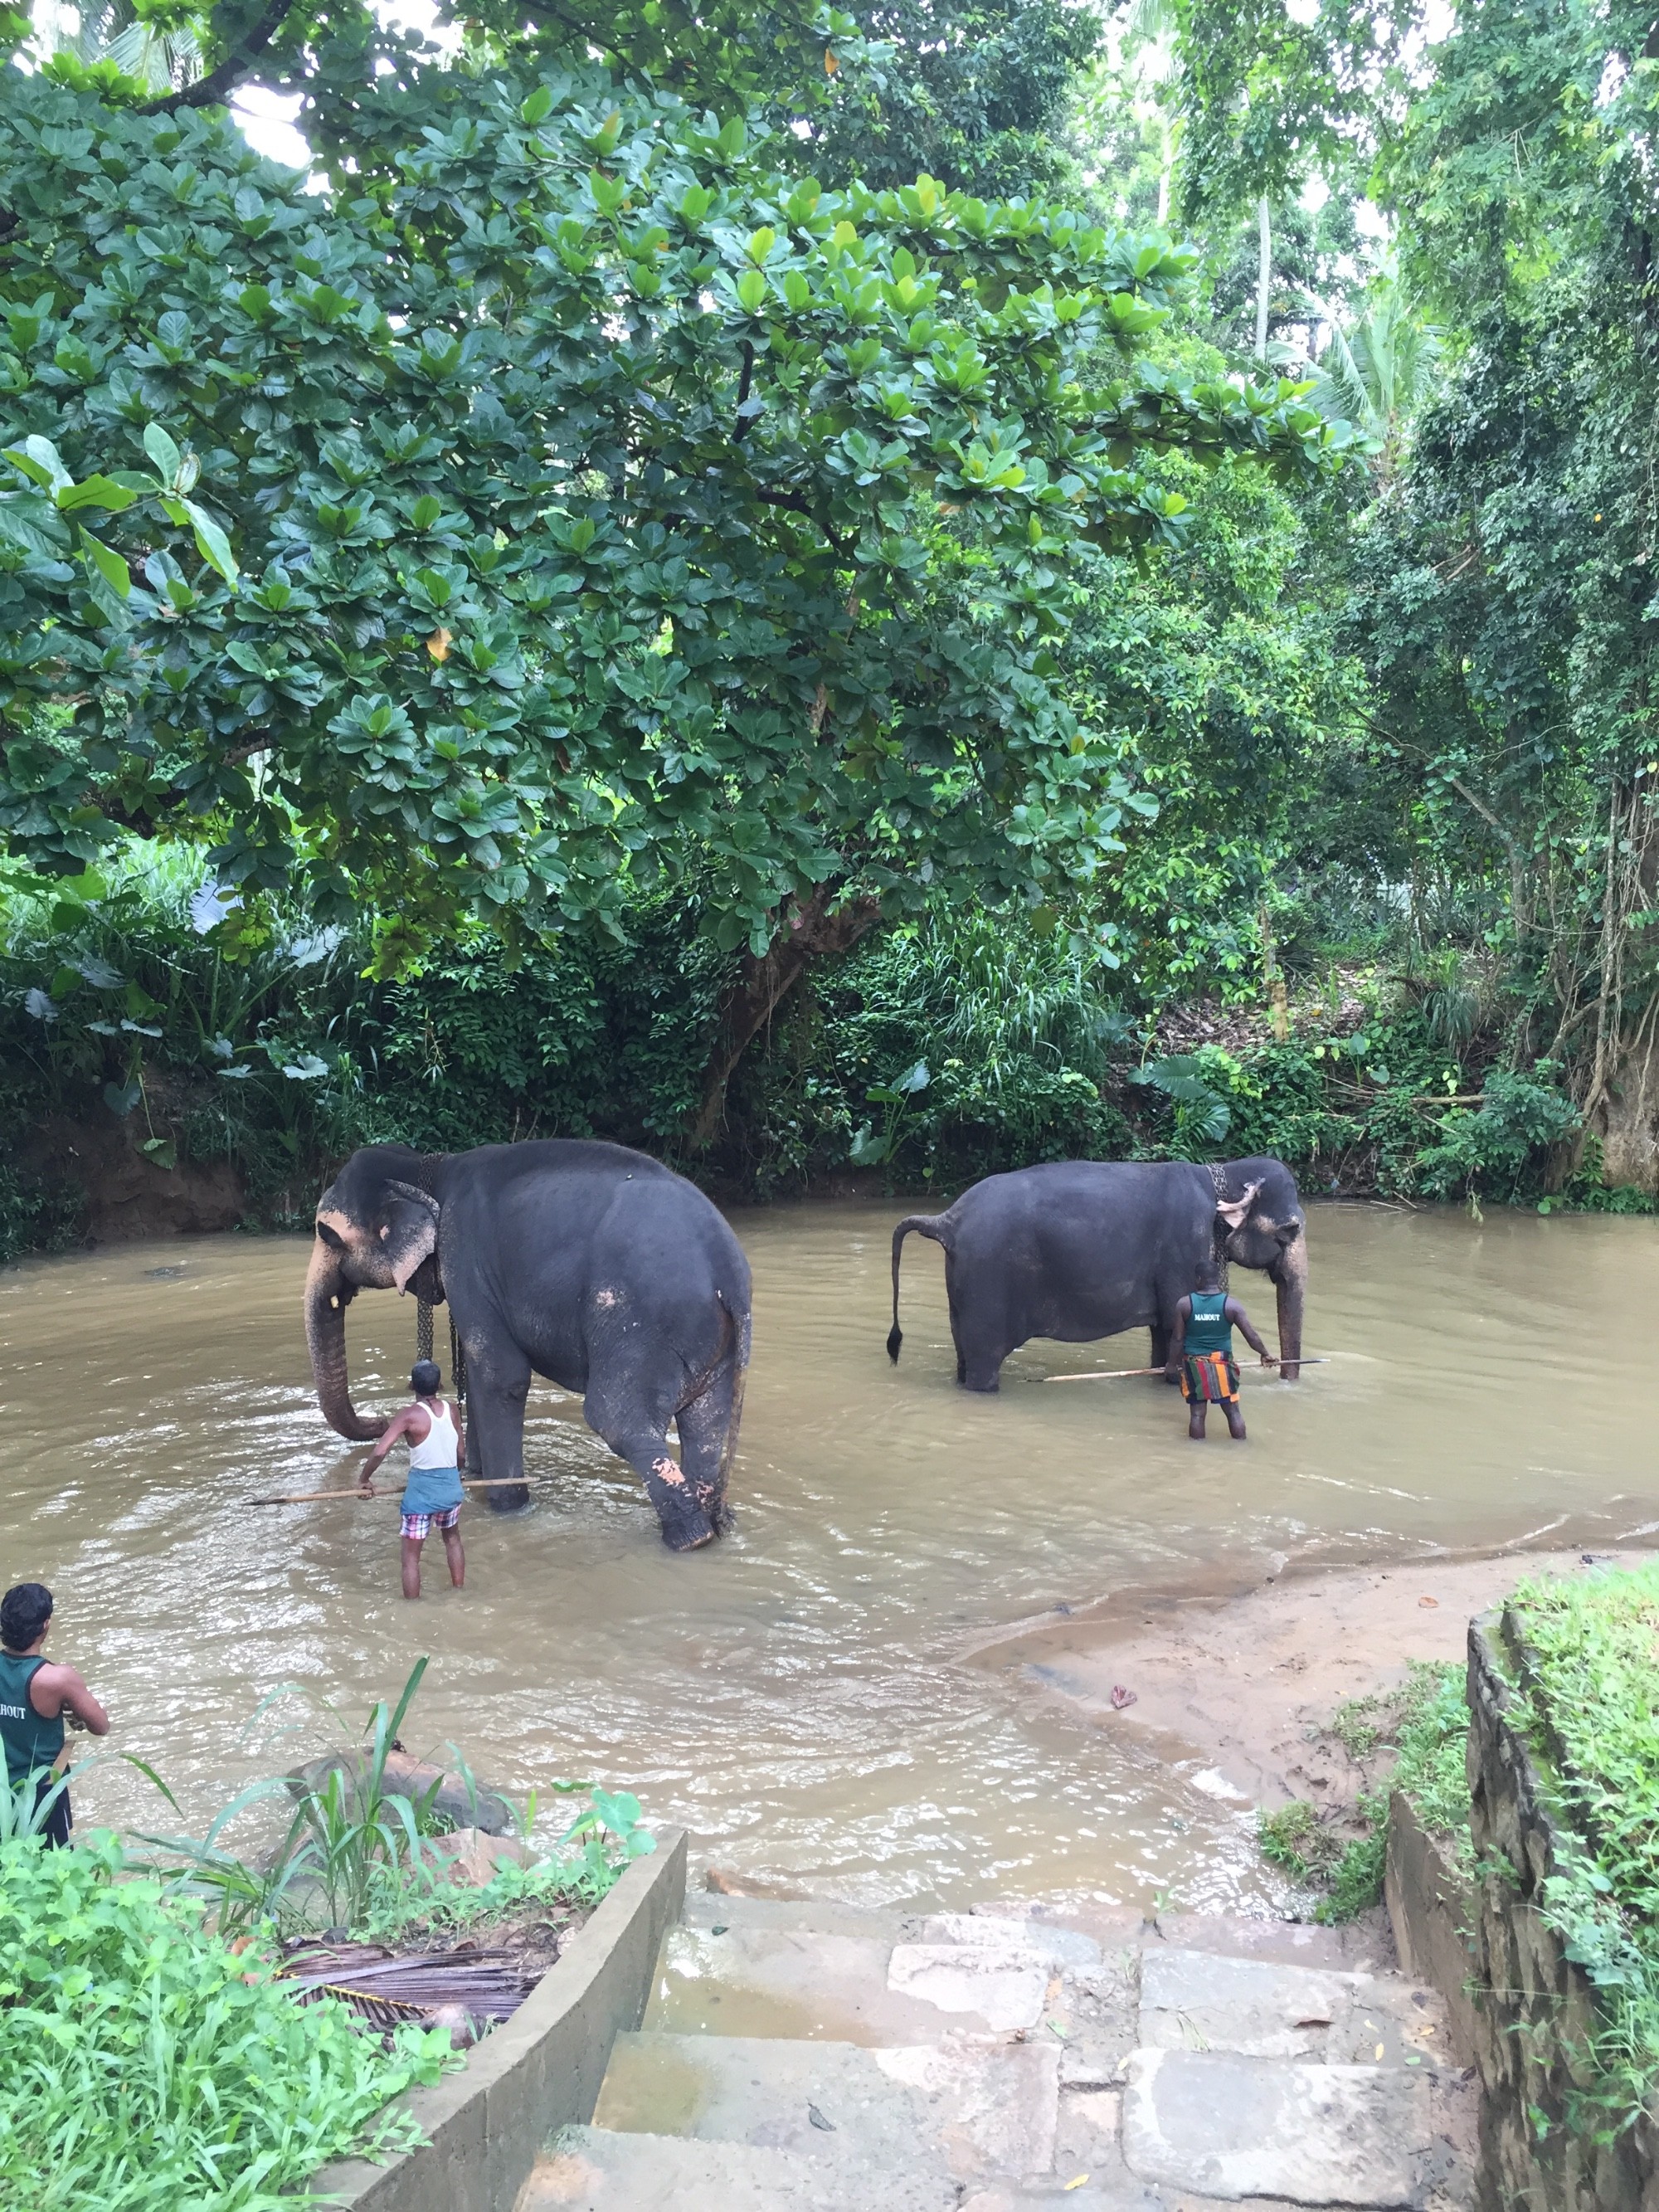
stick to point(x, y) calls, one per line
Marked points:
point(935, 1225)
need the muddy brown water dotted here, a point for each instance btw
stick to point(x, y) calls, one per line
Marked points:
point(821, 1698)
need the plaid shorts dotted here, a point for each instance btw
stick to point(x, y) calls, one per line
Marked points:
point(421, 1525)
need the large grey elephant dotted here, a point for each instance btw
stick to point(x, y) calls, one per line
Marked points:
point(1085, 1247)
point(587, 1263)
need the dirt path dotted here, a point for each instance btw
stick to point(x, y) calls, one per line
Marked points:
point(1241, 1685)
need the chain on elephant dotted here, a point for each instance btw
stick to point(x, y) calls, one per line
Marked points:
point(457, 1351)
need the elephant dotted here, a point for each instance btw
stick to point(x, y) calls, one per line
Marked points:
point(1082, 1248)
point(585, 1262)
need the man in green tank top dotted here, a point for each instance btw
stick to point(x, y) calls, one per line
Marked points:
point(35, 1698)
point(1201, 1351)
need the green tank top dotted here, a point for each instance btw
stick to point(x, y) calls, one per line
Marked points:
point(1209, 1330)
point(31, 1742)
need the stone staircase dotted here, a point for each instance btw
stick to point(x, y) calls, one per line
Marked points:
point(816, 2058)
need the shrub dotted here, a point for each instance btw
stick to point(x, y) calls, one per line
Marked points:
point(148, 2066)
point(1590, 1645)
point(1425, 1727)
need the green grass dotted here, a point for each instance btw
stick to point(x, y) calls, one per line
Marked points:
point(1426, 1725)
point(1592, 1644)
point(150, 2068)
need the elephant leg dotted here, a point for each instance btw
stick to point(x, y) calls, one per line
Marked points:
point(497, 1384)
point(980, 1354)
point(709, 1439)
point(1160, 1349)
point(631, 1410)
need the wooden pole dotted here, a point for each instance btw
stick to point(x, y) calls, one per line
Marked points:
point(312, 1497)
point(1117, 1374)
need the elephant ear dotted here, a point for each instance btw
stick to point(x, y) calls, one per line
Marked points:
point(1233, 1211)
point(409, 1229)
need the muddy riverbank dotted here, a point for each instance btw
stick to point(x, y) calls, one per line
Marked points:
point(805, 1697)
point(1236, 1692)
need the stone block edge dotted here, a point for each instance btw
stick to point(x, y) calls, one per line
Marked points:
point(607, 1972)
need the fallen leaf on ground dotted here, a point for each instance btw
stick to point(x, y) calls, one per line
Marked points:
point(818, 2121)
point(1121, 1697)
point(1433, 1603)
point(1079, 2183)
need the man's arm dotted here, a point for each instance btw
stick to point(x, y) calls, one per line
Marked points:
point(400, 1425)
point(52, 1687)
point(1242, 1321)
point(1178, 1341)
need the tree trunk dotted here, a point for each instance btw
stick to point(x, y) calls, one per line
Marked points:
point(811, 932)
point(1264, 274)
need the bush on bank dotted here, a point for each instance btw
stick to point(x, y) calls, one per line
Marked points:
point(148, 2066)
point(1590, 1712)
point(936, 1053)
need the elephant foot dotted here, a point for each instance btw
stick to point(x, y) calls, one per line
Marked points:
point(687, 1532)
point(512, 1499)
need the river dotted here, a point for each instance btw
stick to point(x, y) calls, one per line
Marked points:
point(818, 1698)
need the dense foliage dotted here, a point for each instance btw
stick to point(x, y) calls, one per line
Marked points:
point(146, 2063)
point(660, 621)
point(1586, 1648)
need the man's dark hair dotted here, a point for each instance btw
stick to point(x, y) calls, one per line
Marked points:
point(424, 1379)
point(24, 1612)
point(1206, 1276)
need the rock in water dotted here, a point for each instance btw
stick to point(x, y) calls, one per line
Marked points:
point(404, 1776)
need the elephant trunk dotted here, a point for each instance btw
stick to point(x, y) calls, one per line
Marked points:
point(1291, 1281)
point(326, 1294)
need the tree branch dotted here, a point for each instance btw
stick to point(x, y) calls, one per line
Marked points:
point(215, 89)
point(842, 547)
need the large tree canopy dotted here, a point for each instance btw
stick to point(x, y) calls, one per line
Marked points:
point(597, 499)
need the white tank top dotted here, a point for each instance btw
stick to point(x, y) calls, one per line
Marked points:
point(440, 1446)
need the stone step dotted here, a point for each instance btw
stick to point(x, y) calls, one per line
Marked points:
point(591, 2170)
point(1197, 2001)
point(968, 2109)
point(1226, 2126)
point(792, 1982)
point(1361, 1947)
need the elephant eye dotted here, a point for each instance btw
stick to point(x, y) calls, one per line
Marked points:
point(1289, 1233)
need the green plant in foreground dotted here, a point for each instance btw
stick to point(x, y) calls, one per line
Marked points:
point(1425, 1724)
point(1591, 1643)
point(149, 2067)
point(357, 1855)
point(349, 1839)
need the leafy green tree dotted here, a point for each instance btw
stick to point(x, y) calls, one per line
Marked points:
point(578, 502)
point(973, 94)
point(1377, 374)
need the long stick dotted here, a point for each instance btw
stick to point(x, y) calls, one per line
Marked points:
point(1117, 1374)
point(310, 1496)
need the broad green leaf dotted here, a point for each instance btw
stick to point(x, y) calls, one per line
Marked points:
point(163, 451)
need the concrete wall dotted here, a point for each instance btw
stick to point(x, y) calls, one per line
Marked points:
point(1430, 1909)
point(1534, 2010)
point(536, 2073)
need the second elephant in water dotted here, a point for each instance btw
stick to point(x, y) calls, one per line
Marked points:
point(1082, 1249)
point(587, 1263)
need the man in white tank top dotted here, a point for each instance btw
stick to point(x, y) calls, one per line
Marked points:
point(433, 1494)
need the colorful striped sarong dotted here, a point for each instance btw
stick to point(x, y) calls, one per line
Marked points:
point(1212, 1378)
